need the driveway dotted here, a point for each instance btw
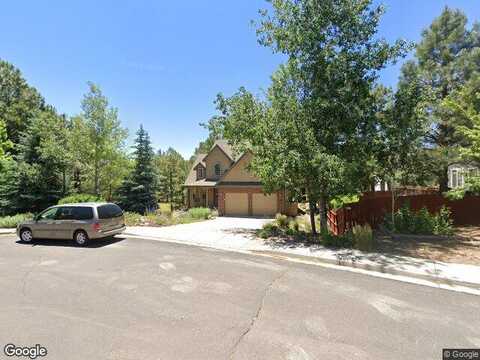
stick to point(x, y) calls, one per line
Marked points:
point(125, 299)
point(225, 232)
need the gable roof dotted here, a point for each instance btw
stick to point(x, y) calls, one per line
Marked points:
point(192, 175)
point(224, 147)
point(200, 159)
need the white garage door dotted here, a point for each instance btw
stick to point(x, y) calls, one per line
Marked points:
point(236, 204)
point(264, 205)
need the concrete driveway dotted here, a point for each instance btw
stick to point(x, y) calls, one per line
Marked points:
point(225, 232)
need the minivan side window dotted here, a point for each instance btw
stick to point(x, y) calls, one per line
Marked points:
point(109, 211)
point(82, 213)
point(64, 213)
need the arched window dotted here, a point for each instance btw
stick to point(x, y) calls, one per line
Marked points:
point(218, 170)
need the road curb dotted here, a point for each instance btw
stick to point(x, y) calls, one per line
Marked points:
point(8, 231)
point(371, 268)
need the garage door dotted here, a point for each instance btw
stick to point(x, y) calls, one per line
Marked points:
point(236, 204)
point(264, 205)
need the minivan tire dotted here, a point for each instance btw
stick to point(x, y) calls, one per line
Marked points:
point(26, 235)
point(81, 238)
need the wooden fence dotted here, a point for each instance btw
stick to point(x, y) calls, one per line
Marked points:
point(372, 208)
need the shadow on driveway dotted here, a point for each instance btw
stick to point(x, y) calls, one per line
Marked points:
point(93, 244)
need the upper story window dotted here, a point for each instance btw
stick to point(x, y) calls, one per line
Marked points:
point(200, 172)
point(218, 170)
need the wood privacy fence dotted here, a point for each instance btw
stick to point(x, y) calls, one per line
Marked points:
point(372, 208)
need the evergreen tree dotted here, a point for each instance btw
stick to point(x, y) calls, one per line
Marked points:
point(448, 56)
point(172, 171)
point(137, 192)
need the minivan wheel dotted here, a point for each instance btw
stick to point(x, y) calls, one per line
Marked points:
point(80, 237)
point(26, 235)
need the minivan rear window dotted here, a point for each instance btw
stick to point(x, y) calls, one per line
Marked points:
point(109, 211)
point(82, 213)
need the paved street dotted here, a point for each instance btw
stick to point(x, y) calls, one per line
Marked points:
point(141, 299)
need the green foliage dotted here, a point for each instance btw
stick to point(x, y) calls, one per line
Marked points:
point(421, 222)
point(9, 190)
point(269, 230)
point(443, 222)
point(343, 200)
point(295, 135)
point(137, 192)
point(446, 58)
point(133, 219)
point(19, 102)
point(336, 241)
point(362, 238)
point(102, 140)
point(159, 218)
point(12, 221)
point(80, 198)
point(200, 213)
point(282, 221)
point(172, 171)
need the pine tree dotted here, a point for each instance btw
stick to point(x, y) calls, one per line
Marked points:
point(137, 192)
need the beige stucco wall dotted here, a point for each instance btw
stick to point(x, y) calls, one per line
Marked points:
point(239, 171)
point(216, 156)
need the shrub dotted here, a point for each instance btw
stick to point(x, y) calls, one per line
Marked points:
point(268, 230)
point(362, 238)
point(294, 225)
point(132, 218)
point(421, 222)
point(12, 221)
point(282, 221)
point(200, 213)
point(443, 222)
point(79, 198)
point(336, 241)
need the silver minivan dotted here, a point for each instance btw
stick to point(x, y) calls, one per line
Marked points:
point(80, 222)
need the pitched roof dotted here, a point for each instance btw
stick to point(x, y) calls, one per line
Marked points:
point(200, 159)
point(192, 175)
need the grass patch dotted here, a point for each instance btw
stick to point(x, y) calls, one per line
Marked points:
point(7, 222)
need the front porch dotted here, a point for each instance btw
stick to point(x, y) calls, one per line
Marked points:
point(202, 196)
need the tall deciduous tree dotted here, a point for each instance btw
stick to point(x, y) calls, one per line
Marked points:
point(19, 102)
point(322, 96)
point(5, 143)
point(137, 192)
point(104, 136)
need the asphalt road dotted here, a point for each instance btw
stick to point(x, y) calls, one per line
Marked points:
point(140, 299)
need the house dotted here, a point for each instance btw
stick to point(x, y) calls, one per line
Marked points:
point(220, 179)
point(458, 172)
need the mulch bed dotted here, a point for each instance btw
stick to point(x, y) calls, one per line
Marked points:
point(463, 247)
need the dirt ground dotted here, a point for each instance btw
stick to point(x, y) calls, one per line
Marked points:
point(462, 248)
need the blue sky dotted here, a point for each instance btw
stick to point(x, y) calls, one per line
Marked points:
point(161, 63)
